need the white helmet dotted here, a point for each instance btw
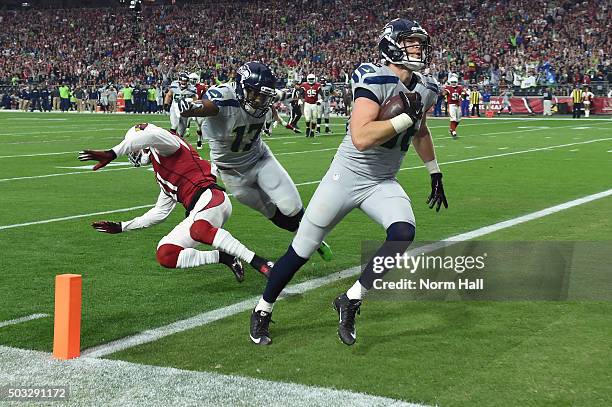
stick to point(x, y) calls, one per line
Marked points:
point(453, 79)
point(140, 157)
point(194, 78)
point(311, 79)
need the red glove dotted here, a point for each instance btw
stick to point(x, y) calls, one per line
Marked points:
point(106, 226)
point(103, 157)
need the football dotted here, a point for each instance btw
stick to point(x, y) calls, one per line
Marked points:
point(391, 108)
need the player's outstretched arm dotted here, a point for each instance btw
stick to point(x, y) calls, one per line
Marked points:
point(160, 212)
point(204, 108)
point(103, 157)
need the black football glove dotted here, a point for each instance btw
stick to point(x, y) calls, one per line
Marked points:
point(413, 106)
point(106, 226)
point(437, 192)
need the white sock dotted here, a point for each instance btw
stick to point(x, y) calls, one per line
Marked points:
point(264, 305)
point(193, 258)
point(224, 241)
point(356, 292)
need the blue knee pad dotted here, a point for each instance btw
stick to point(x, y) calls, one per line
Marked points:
point(401, 232)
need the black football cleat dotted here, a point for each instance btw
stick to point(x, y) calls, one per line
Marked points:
point(199, 146)
point(237, 269)
point(234, 264)
point(260, 331)
point(262, 265)
point(346, 310)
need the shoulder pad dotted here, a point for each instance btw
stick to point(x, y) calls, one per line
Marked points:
point(431, 83)
point(222, 96)
point(373, 74)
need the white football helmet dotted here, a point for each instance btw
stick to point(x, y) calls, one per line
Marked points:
point(453, 79)
point(311, 79)
point(194, 78)
point(140, 157)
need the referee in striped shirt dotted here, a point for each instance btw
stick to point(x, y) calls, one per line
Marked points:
point(576, 96)
point(475, 101)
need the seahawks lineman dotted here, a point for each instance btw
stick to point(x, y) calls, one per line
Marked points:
point(178, 91)
point(235, 114)
point(363, 172)
point(327, 91)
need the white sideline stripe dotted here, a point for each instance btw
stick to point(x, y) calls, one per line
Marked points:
point(40, 222)
point(116, 383)
point(22, 319)
point(303, 183)
point(63, 131)
point(38, 155)
point(153, 335)
point(65, 173)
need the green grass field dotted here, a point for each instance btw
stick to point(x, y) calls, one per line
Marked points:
point(447, 353)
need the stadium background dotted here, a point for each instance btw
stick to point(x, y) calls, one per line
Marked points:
point(521, 46)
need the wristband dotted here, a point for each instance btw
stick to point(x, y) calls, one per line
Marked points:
point(432, 166)
point(401, 123)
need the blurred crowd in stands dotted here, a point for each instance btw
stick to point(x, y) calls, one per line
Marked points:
point(518, 43)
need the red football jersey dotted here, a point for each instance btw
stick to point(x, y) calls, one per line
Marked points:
point(201, 89)
point(183, 173)
point(453, 94)
point(311, 92)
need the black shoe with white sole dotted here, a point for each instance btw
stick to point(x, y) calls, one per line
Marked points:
point(260, 331)
point(346, 310)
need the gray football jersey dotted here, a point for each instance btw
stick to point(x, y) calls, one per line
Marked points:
point(383, 161)
point(326, 91)
point(233, 135)
point(179, 94)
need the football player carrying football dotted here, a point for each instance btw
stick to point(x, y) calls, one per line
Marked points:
point(235, 114)
point(183, 177)
point(363, 172)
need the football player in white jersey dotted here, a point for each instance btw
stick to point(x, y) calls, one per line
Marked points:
point(235, 114)
point(179, 90)
point(363, 172)
point(327, 91)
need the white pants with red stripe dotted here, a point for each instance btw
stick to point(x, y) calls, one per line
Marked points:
point(213, 206)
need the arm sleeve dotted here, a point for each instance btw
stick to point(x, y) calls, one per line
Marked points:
point(148, 136)
point(157, 214)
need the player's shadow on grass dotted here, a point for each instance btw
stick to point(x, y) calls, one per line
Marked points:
point(448, 320)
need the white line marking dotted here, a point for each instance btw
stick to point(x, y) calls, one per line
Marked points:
point(65, 173)
point(38, 155)
point(502, 148)
point(40, 222)
point(22, 319)
point(155, 334)
point(290, 142)
point(101, 382)
point(63, 131)
point(470, 146)
point(574, 150)
point(304, 183)
point(308, 151)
